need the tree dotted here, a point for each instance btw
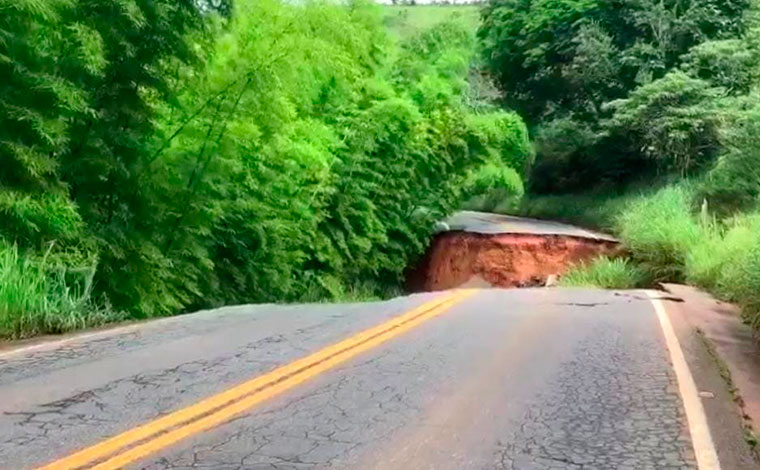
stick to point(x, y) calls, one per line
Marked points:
point(560, 61)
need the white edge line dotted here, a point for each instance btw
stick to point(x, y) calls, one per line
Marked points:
point(704, 448)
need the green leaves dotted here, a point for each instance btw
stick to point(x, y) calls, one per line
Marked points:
point(673, 119)
point(296, 154)
point(604, 78)
point(728, 63)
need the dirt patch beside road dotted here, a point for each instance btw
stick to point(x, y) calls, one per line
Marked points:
point(501, 260)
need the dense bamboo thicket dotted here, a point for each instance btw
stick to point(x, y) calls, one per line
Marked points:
point(159, 156)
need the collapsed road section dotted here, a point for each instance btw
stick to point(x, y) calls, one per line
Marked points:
point(478, 249)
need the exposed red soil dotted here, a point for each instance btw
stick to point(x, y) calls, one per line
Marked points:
point(501, 260)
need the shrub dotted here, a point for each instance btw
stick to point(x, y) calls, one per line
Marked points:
point(492, 185)
point(31, 220)
point(500, 136)
point(605, 273)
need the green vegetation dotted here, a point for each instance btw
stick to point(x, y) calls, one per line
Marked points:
point(615, 91)
point(162, 156)
point(492, 187)
point(646, 123)
point(38, 296)
point(660, 232)
point(404, 21)
point(596, 209)
point(671, 236)
point(617, 273)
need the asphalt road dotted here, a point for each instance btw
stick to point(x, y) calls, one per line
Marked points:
point(485, 380)
point(489, 223)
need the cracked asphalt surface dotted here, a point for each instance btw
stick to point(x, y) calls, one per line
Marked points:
point(507, 379)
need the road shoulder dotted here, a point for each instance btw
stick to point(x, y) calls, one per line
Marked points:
point(688, 311)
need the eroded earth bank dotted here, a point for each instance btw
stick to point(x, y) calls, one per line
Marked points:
point(482, 250)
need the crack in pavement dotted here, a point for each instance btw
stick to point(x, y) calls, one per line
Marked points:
point(610, 409)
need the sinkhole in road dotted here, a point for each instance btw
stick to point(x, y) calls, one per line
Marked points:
point(466, 259)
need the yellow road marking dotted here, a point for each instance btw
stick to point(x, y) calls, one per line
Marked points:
point(704, 448)
point(219, 408)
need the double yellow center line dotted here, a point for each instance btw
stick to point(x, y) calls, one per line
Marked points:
point(144, 440)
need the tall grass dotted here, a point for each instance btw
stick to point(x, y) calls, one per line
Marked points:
point(730, 265)
point(671, 236)
point(740, 282)
point(38, 296)
point(724, 245)
point(616, 273)
point(674, 241)
point(660, 232)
